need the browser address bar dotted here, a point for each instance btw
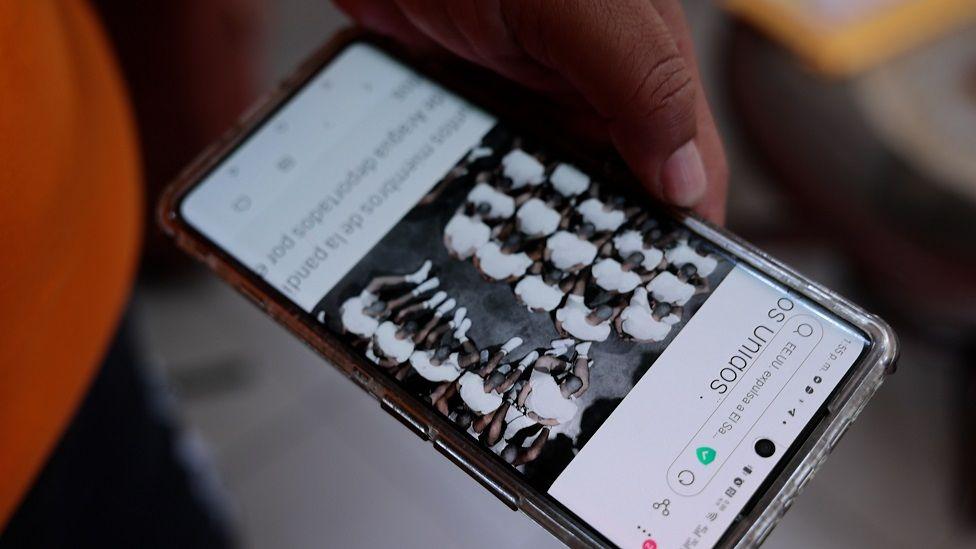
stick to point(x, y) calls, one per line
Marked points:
point(736, 414)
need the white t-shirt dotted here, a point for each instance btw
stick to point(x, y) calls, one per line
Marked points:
point(638, 322)
point(632, 241)
point(569, 181)
point(523, 169)
point(463, 235)
point(573, 315)
point(610, 275)
point(355, 320)
point(593, 211)
point(547, 401)
point(387, 342)
point(537, 295)
point(498, 265)
point(683, 254)
point(667, 288)
point(448, 370)
point(501, 204)
point(535, 218)
point(567, 250)
point(472, 390)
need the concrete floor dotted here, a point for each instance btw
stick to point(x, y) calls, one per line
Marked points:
point(308, 460)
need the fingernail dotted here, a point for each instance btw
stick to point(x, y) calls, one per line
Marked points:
point(683, 176)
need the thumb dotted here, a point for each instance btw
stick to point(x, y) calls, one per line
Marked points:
point(621, 57)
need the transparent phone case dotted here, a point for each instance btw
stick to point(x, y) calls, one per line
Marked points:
point(502, 480)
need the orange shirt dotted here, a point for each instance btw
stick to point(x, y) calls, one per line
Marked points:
point(69, 223)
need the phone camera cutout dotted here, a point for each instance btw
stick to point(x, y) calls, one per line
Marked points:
point(765, 448)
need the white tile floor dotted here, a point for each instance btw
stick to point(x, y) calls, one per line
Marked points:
point(308, 460)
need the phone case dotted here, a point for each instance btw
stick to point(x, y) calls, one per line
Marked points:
point(501, 480)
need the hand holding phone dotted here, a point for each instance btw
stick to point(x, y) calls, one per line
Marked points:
point(624, 72)
point(623, 373)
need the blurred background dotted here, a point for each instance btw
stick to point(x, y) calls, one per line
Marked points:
point(852, 143)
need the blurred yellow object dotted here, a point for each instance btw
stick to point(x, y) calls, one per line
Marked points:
point(843, 37)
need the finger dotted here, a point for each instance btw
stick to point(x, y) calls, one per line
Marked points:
point(621, 57)
point(476, 31)
point(708, 137)
point(387, 19)
point(432, 17)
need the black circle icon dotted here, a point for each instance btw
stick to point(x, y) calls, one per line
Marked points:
point(765, 447)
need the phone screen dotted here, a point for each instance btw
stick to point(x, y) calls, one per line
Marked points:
point(643, 378)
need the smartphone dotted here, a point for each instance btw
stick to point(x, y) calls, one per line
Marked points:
point(625, 374)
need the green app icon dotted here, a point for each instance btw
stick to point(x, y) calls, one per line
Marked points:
point(705, 455)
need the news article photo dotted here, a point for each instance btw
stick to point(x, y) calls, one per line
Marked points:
point(523, 300)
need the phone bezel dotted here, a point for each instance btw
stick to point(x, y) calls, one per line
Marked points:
point(844, 405)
